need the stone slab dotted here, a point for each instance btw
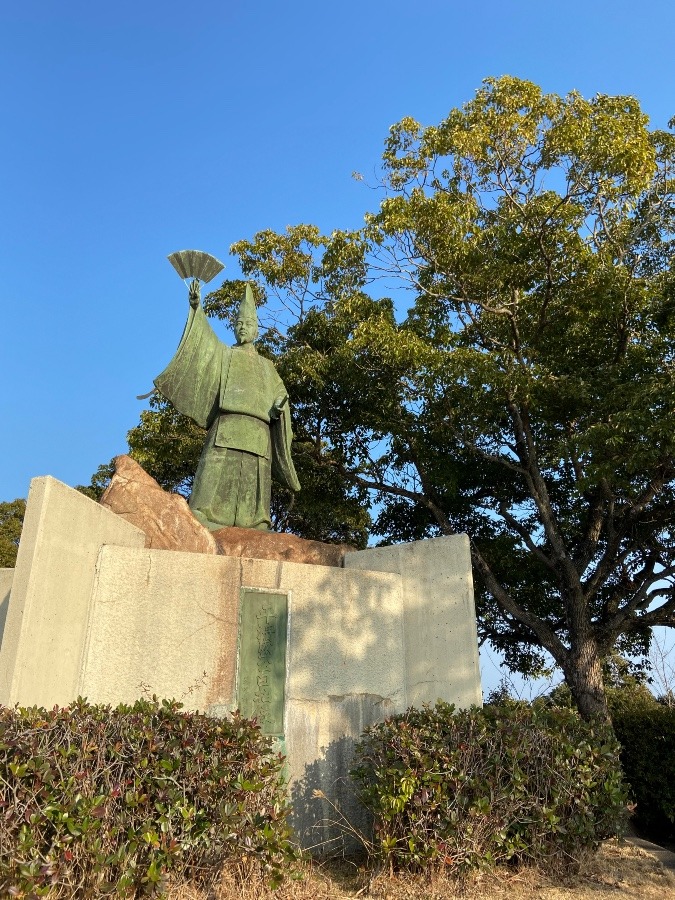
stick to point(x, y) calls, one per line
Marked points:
point(6, 578)
point(439, 618)
point(46, 621)
point(162, 622)
point(253, 544)
point(161, 619)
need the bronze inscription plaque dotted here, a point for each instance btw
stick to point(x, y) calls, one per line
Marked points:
point(262, 658)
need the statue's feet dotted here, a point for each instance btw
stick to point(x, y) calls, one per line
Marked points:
point(216, 526)
point(203, 520)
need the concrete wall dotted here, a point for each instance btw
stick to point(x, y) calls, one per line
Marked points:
point(6, 578)
point(46, 621)
point(439, 618)
point(395, 628)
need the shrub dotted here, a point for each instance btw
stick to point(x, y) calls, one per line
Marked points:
point(645, 729)
point(95, 799)
point(479, 787)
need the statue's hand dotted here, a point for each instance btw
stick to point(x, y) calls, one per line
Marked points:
point(278, 406)
point(194, 295)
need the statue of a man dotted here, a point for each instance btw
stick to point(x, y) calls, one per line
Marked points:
point(238, 396)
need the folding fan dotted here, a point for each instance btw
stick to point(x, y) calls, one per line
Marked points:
point(196, 264)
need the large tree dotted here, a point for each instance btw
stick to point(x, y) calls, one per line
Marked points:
point(527, 395)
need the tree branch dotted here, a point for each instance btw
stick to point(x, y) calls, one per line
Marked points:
point(545, 635)
point(539, 492)
point(522, 531)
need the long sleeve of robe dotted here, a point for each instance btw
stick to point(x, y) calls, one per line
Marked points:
point(192, 379)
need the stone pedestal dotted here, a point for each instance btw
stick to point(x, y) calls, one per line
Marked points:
point(317, 652)
point(168, 524)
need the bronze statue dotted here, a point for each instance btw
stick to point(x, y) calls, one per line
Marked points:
point(239, 397)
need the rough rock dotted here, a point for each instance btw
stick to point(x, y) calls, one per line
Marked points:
point(253, 544)
point(164, 518)
point(168, 524)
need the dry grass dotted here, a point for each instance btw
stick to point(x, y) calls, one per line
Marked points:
point(619, 871)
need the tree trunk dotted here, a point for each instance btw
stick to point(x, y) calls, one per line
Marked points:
point(583, 675)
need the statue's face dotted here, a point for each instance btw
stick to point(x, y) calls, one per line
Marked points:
point(246, 329)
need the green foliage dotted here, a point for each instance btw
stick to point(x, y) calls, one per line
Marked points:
point(527, 395)
point(107, 800)
point(472, 789)
point(324, 510)
point(645, 729)
point(11, 523)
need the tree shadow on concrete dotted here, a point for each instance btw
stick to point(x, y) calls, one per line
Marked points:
point(327, 817)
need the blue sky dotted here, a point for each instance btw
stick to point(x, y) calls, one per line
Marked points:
point(134, 129)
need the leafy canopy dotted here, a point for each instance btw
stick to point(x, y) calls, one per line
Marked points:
point(526, 396)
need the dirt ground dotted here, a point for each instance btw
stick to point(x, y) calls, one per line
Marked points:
point(619, 871)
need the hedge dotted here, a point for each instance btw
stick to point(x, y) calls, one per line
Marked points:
point(471, 789)
point(645, 729)
point(95, 799)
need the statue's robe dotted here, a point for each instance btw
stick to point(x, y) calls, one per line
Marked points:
point(231, 392)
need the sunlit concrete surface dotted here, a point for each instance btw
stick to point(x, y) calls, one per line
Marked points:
point(51, 592)
point(438, 617)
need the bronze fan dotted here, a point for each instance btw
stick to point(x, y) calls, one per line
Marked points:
point(196, 264)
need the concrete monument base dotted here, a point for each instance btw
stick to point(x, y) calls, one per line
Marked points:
point(316, 652)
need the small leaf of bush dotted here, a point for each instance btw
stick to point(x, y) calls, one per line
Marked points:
point(471, 789)
point(99, 800)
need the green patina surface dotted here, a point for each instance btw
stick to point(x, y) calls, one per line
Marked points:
point(262, 658)
point(240, 399)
